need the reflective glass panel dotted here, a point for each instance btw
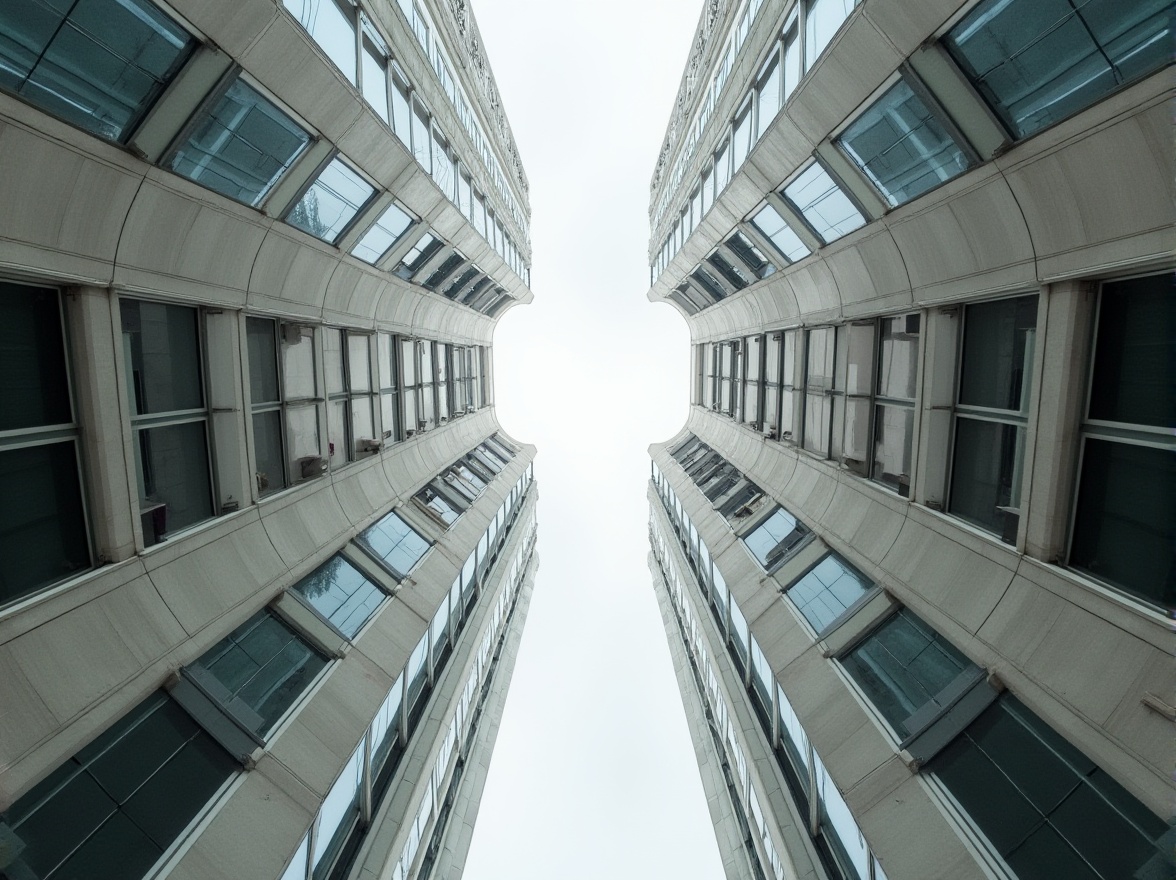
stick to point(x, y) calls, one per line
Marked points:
point(822, 203)
point(825, 592)
point(341, 594)
point(331, 202)
point(396, 543)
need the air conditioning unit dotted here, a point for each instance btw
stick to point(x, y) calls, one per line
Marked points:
point(292, 334)
point(369, 445)
point(312, 466)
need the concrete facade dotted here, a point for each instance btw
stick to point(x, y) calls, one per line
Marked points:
point(251, 260)
point(836, 366)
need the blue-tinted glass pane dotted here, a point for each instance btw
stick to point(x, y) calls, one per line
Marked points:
point(823, 20)
point(331, 28)
point(779, 233)
point(771, 541)
point(902, 147)
point(382, 235)
point(100, 67)
point(396, 543)
point(341, 594)
point(902, 666)
point(822, 203)
point(264, 664)
point(827, 590)
point(331, 202)
point(240, 145)
point(35, 390)
point(1038, 61)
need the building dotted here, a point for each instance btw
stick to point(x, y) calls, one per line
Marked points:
point(265, 551)
point(927, 487)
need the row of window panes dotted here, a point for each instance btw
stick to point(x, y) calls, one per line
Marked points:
point(450, 493)
point(904, 143)
point(775, 82)
point(239, 143)
point(714, 83)
point(385, 87)
point(422, 26)
point(339, 828)
point(838, 838)
point(136, 788)
point(857, 397)
point(355, 402)
point(937, 704)
point(129, 794)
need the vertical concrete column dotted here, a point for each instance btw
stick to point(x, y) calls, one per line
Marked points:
point(1064, 322)
point(104, 421)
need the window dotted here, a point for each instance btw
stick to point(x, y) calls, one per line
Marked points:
point(903, 666)
point(338, 815)
point(826, 591)
point(332, 26)
point(328, 207)
point(351, 428)
point(894, 406)
point(421, 253)
point(169, 416)
point(114, 808)
point(422, 148)
point(1044, 806)
point(822, 203)
point(767, 94)
point(772, 226)
point(992, 405)
point(401, 109)
point(792, 70)
point(722, 168)
point(257, 672)
point(374, 70)
point(753, 349)
point(416, 358)
point(822, 22)
point(99, 64)
point(386, 348)
point(382, 234)
point(395, 544)
point(1125, 516)
point(43, 535)
point(1038, 62)
point(743, 135)
point(818, 393)
point(266, 401)
point(341, 594)
point(902, 146)
point(750, 257)
point(775, 539)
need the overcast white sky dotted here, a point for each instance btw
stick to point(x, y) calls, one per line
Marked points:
point(593, 775)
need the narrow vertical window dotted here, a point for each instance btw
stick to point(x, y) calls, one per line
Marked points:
point(818, 389)
point(43, 535)
point(991, 412)
point(169, 416)
point(894, 407)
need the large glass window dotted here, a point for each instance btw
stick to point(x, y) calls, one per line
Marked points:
point(169, 415)
point(823, 204)
point(43, 535)
point(894, 406)
point(991, 412)
point(328, 207)
point(1044, 806)
point(338, 815)
point(258, 671)
point(395, 543)
point(819, 380)
point(903, 146)
point(239, 145)
point(1125, 518)
point(823, 20)
point(773, 227)
point(382, 234)
point(903, 666)
point(332, 26)
point(114, 808)
point(374, 69)
point(351, 396)
point(99, 64)
point(827, 590)
point(775, 539)
point(1038, 61)
point(767, 94)
point(341, 593)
